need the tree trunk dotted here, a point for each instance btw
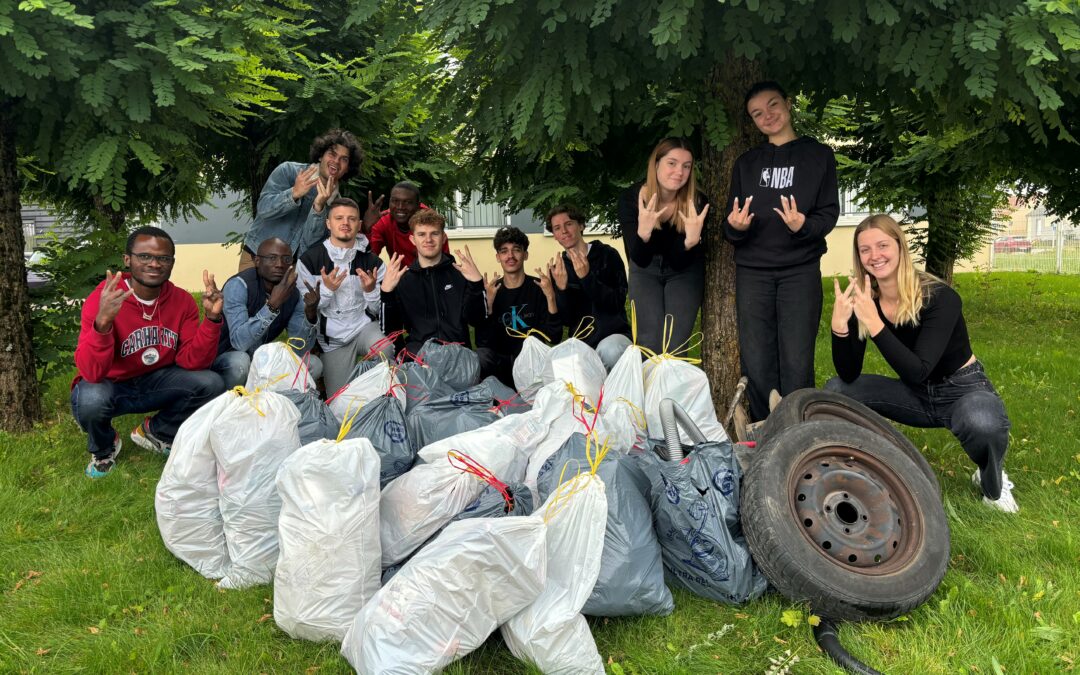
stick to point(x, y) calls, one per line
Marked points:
point(940, 249)
point(107, 215)
point(728, 81)
point(20, 405)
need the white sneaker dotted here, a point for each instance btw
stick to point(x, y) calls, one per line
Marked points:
point(1006, 502)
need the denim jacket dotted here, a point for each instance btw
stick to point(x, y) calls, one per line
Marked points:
point(277, 215)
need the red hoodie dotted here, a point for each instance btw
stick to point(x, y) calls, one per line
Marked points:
point(386, 234)
point(136, 346)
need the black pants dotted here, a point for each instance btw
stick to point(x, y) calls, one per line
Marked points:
point(497, 364)
point(779, 312)
point(965, 403)
point(658, 290)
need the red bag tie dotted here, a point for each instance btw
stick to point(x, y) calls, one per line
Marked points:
point(466, 464)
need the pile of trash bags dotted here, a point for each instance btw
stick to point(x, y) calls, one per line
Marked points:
point(420, 509)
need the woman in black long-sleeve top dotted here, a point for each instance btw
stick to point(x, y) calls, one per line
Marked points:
point(662, 219)
point(917, 323)
point(783, 202)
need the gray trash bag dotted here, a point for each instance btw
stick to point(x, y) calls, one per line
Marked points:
point(451, 415)
point(506, 399)
point(422, 384)
point(695, 509)
point(631, 580)
point(490, 504)
point(457, 365)
point(382, 422)
point(316, 419)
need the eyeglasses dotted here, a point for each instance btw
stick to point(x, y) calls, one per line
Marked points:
point(145, 258)
point(273, 259)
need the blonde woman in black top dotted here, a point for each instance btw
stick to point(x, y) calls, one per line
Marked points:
point(917, 323)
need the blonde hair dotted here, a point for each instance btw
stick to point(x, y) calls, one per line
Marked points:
point(687, 194)
point(913, 286)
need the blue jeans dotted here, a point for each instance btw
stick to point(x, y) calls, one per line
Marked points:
point(173, 391)
point(965, 403)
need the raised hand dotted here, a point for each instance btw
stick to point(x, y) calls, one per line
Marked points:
point(862, 300)
point(112, 299)
point(324, 192)
point(305, 180)
point(648, 217)
point(843, 305)
point(580, 261)
point(557, 268)
point(334, 279)
point(739, 219)
point(212, 298)
point(282, 289)
point(467, 266)
point(490, 288)
point(373, 212)
point(694, 224)
point(311, 301)
point(544, 282)
point(790, 214)
point(368, 278)
point(394, 271)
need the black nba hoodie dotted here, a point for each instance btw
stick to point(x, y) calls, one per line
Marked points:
point(802, 167)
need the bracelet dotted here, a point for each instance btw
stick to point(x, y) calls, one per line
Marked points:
point(841, 335)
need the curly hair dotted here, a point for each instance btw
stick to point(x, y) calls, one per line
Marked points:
point(511, 235)
point(338, 137)
point(427, 217)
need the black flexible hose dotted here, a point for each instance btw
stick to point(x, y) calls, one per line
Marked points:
point(829, 640)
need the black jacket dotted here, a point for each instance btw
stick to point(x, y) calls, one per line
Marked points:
point(434, 302)
point(519, 309)
point(601, 295)
point(803, 168)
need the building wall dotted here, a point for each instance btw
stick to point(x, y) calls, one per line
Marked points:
point(222, 260)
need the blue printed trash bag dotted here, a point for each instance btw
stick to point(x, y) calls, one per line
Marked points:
point(695, 506)
point(422, 384)
point(382, 422)
point(451, 415)
point(631, 580)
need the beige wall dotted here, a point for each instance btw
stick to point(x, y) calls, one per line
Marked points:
point(192, 259)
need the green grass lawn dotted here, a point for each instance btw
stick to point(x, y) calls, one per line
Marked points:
point(87, 585)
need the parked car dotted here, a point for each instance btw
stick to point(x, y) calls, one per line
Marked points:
point(33, 279)
point(1012, 244)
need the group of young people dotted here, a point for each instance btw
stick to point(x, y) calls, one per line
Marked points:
point(311, 266)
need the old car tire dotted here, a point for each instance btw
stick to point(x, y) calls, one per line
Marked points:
point(836, 515)
point(804, 405)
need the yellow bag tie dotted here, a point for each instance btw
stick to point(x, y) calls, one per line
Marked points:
point(677, 353)
point(250, 396)
point(515, 333)
point(568, 488)
point(584, 328)
point(347, 420)
point(638, 415)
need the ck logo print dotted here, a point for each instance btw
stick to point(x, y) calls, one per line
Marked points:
point(777, 177)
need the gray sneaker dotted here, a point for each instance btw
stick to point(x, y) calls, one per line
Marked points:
point(99, 468)
point(144, 439)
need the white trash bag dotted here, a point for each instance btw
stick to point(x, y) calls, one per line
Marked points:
point(371, 384)
point(276, 366)
point(451, 596)
point(418, 504)
point(551, 632)
point(529, 365)
point(667, 377)
point(251, 438)
point(329, 561)
point(186, 500)
point(557, 409)
point(577, 363)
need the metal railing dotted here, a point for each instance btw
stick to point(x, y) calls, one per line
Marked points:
point(1058, 252)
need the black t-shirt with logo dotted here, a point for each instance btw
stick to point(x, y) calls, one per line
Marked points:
point(518, 309)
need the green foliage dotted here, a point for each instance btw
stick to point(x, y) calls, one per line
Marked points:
point(73, 266)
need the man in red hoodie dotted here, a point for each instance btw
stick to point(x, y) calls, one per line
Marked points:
point(142, 348)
